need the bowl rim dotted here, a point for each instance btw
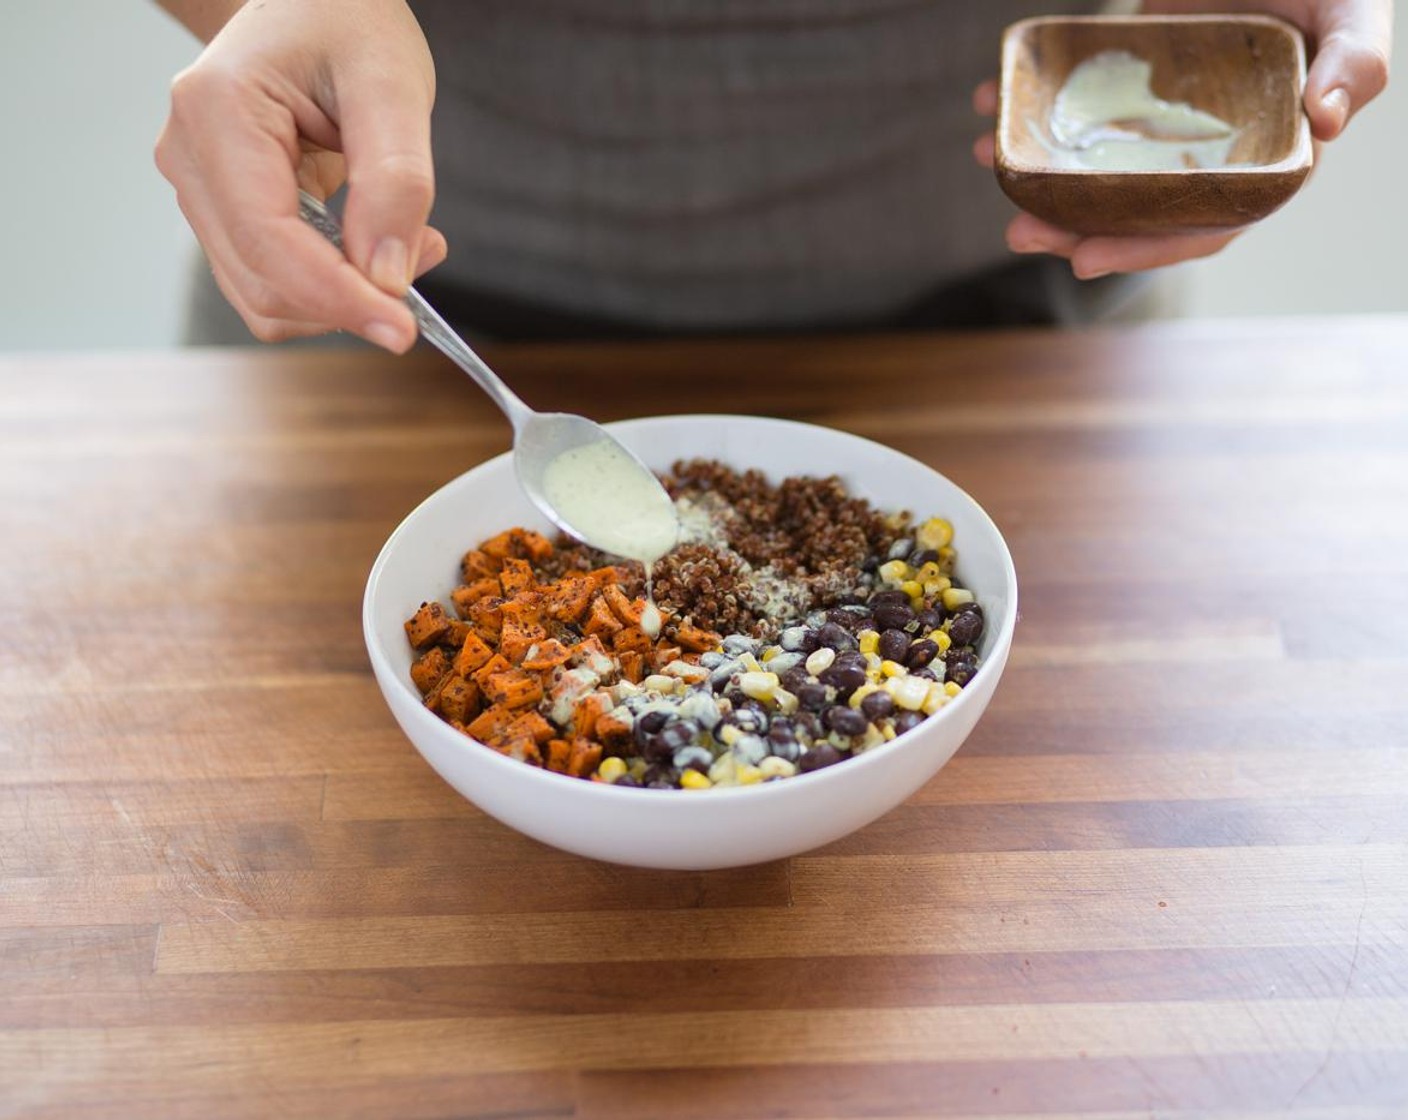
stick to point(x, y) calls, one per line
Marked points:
point(433, 725)
point(1005, 162)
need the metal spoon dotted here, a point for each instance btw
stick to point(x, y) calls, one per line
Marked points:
point(540, 438)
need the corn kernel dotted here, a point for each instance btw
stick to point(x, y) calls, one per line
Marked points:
point(774, 767)
point(955, 597)
point(749, 663)
point(891, 669)
point(935, 533)
point(869, 640)
point(888, 731)
point(611, 769)
point(893, 571)
point(818, 661)
point(910, 692)
point(947, 557)
point(912, 587)
point(953, 688)
point(786, 701)
point(729, 734)
point(935, 700)
point(759, 685)
point(872, 663)
point(928, 571)
point(693, 779)
point(770, 653)
point(941, 639)
point(658, 682)
point(748, 775)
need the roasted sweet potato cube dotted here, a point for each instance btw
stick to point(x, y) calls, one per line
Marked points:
point(588, 710)
point(614, 732)
point(536, 547)
point(490, 724)
point(473, 655)
point(600, 618)
point(533, 725)
point(556, 755)
point(517, 638)
point(487, 617)
point(428, 626)
point(632, 666)
point(428, 668)
point(459, 699)
point(584, 759)
point(513, 688)
point(630, 638)
point(478, 564)
point(693, 638)
point(467, 594)
point(517, 576)
point(661, 656)
point(523, 748)
point(496, 664)
point(622, 607)
point(547, 654)
point(568, 599)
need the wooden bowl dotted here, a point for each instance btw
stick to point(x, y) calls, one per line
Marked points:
point(1247, 70)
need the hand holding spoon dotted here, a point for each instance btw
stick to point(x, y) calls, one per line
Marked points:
point(583, 479)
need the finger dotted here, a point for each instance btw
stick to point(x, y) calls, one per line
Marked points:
point(1029, 234)
point(985, 150)
point(237, 185)
point(264, 328)
point(1099, 256)
point(385, 123)
point(985, 98)
point(1353, 39)
point(433, 250)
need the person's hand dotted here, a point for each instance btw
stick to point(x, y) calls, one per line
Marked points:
point(1350, 41)
point(309, 93)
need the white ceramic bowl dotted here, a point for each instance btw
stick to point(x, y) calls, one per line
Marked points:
point(681, 828)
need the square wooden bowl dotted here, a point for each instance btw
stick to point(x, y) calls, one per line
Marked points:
point(1247, 70)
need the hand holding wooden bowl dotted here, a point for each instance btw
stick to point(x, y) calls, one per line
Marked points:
point(1247, 71)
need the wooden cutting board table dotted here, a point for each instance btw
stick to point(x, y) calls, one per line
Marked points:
point(1166, 877)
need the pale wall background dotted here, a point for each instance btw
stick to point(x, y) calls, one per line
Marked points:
point(94, 249)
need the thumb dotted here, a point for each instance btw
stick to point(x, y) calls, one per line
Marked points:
point(384, 121)
point(1353, 40)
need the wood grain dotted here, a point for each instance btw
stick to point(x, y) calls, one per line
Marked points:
point(1167, 876)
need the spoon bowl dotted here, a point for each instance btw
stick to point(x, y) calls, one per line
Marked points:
point(582, 478)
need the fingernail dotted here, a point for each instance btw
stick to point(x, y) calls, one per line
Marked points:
point(390, 265)
point(386, 336)
point(1336, 103)
point(1091, 274)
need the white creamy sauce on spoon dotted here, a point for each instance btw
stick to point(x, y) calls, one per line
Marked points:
point(603, 494)
point(1107, 118)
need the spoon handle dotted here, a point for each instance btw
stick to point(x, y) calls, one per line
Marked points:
point(432, 326)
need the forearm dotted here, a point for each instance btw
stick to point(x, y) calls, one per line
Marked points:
point(203, 18)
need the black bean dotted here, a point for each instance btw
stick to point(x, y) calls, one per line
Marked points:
point(900, 547)
point(654, 748)
point(788, 749)
point(844, 679)
point(823, 754)
point(925, 672)
point(894, 616)
point(798, 639)
point(659, 777)
point(693, 758)
point(794, 678)
point(850, 659)
point(813, 697)
point(890, 596)
point(923, 556)
point(877, 705)
point(966, 626)
point(845, 721)
point(837, 637)
point(930, 618)
point(960, 672)
point(626, 780)
point(894, 645)
point(809, 726)
point(921, 653)
point(870, 563)
point(847, 620)
point(750, 718)
point(907, 721)
point(652, 721)
point(736, 697)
